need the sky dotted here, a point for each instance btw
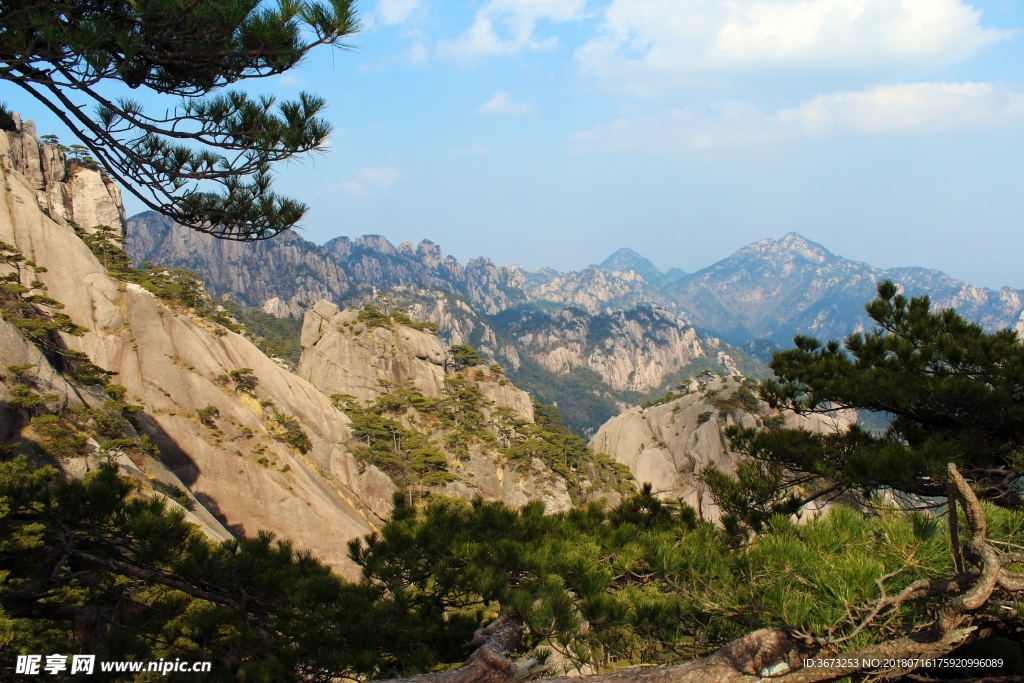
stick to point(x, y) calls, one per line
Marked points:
point(553, 132)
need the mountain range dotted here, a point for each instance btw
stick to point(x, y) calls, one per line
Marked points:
point(595, 340)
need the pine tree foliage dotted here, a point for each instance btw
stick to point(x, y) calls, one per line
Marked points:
point(67, 55)
point(645, 583)
point(954, 393)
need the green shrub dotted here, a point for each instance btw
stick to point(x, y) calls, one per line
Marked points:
point(208, 414)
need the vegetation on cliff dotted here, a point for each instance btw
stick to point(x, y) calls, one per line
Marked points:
point(94, 565)
point(414, 438)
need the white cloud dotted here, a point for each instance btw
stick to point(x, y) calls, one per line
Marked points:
point(368, 180)
point(912, 108)
point(506, 27)
point(501, 105)
point(391, 12)
point(646, 46)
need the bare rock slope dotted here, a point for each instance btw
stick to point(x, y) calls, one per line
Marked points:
point(667, 445)
point(241, 475)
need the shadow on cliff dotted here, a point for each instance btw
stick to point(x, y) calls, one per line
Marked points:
point(183, 467)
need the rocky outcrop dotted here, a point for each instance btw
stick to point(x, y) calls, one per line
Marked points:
point(237, 469)
point(367, 358)
point(75, 192)
point(341, 355)
point(631, 350)
point(668, 445)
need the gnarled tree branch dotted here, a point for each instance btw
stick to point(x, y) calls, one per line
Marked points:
point(781, 654)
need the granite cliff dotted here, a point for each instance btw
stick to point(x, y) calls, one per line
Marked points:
point(141, 368)
point(633, 350)
point(235, 472)
point(667, 444)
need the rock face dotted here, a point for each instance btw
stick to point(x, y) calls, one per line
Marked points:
point(239, 473)
point(631, 350)
point(343, 356)
point(668, 445)
point(67, 193)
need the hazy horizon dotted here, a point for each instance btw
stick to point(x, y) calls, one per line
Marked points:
point(553, 132)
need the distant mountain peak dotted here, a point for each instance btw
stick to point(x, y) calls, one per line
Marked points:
point(626, 259)
point(791, 244)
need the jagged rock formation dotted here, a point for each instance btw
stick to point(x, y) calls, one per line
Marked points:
point(348, 270)
point(240, 476)
point(775, 289)
point(668, 445)
point(772, 289)
point(75, 193)
point(282, 276)
point(633, 350)
point(343, 356)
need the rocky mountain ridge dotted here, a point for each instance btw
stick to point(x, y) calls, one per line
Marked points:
point(775, 289)
point(627, 259)
point(109, 363)
point(770, 290)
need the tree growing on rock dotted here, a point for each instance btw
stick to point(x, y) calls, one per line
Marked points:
point(205, 162)
point(463, 356)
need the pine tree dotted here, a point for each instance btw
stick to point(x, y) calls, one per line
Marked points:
point(951, 392)
point(66, 55)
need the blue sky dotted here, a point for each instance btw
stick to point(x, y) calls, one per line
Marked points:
point(552, 132)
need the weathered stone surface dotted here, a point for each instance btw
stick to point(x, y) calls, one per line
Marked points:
point(339, 358)
point(631, 350)
point(668, 445)
point(80, 194)
point(500, 393)
point(239, 474)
